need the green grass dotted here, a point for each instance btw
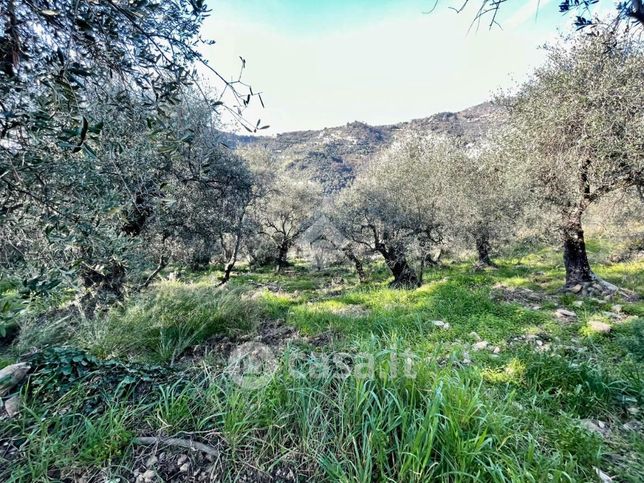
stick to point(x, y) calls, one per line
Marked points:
point(417, 402)
point(161, 324)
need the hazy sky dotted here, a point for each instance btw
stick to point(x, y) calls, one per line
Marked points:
point(328, 62)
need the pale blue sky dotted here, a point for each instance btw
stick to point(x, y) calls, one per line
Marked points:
point(326, 63)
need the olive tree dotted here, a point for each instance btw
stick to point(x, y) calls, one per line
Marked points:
point(208, 189)
point(577, 131)
point(487, 11)
point(396, 205)
point(288, 208)
point(87, 135)
point(486, 198)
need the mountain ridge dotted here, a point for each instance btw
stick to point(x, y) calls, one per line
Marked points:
point(334, 155)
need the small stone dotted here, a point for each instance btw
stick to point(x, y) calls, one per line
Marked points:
point(12, 375)
point(564, 314)
point(536, 307)
point(12, 406)
point(480, 345)
point(475, 336)
point(184, 467)
point(603, 477)
point(610, 315)
point(440, 324)
point(543, 348)
point(497, 350)
point(576, 289)
point(148, 475)
point(617, 309)
point(578, 303)
point(182, 459)
point(152, 460)
point(598, 327)
point(591, 426)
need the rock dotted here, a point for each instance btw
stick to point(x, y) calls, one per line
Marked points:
point(184, 467)
point(497, 350)
point(597, 327)
point(576, 289)
point(474, 335)
point(610, 315)
point(12, 406)
point(182, 459)
point(148, 476)
point(543, 347)
point(578, 303)
point(440, 324)
point(617, 309)
point(593, 427)
point(480, 345)
point(13, 375)
point(151, 461)
point(603, 477)
point(563, 314)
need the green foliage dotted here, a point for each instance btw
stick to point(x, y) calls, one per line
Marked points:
point(171, 317)
point(579, 388)
point(59, 371)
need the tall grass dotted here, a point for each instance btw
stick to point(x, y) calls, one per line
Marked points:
point(161, 324)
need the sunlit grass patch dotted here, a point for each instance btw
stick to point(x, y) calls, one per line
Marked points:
point(628, 275)
point(511, 373)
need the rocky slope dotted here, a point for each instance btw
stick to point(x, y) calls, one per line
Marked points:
point(333, 155)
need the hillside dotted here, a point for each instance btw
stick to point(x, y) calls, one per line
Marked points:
point(332, 155)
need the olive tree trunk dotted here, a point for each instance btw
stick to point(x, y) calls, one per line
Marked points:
point(578, 269)
point(232, 259)
point(483, 250)
point(282, 255)
point(404, 275)
point(357, 263)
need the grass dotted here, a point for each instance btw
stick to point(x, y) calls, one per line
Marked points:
point(390, 396)
point(160, 325)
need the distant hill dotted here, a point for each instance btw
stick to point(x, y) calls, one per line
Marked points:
point(333, 155)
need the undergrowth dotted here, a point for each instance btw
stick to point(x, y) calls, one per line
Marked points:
point(394, 395)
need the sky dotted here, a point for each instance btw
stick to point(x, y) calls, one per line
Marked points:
point(324, 63)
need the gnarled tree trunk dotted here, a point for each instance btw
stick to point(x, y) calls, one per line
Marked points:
point(232, 259)
point(578, 269)
point(404, 275)
point(282, 254)
point(483, 250)
point(357, 263)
